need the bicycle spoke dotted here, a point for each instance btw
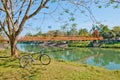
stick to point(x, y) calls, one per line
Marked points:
point(45, 59)
point(26, 61)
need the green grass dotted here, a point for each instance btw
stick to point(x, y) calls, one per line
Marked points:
point(79, 44)
point(112, 45)
point(56, 70)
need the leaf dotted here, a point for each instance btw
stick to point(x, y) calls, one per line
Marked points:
point(100, 6)
point(66, 10)
point(71, 14)
point(74, 25)
point(72, 19)
point(82, 11)
point(116, 6)
point(61, 13)
point(52, 1)
point(49, 27)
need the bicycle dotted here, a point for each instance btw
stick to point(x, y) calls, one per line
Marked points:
point(28, 60)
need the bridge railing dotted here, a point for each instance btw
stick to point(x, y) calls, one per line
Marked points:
point(74, 38)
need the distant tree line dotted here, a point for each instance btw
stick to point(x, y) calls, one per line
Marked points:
point(96, 31)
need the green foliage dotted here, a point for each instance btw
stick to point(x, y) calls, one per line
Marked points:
point(71, 30)
point(28, 34)
point(72, 19)
point(79, 44)
point(83, 32)
point(113, 45)
point(74, 25)
point(106, 32)
point(108, 3)
point(100, 6)
point(116, 30)
point(38, 34)
point(66, 10)
point(53, 1)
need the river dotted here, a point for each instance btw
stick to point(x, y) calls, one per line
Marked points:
point(102, 57)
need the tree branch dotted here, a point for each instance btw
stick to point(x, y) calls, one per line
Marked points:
point(116, 1)
point(12, 10)
point(24, 18)
point(92, 17)
point(42, 5)
point(20, 12)
point(3, 28)
point(2, 10)
point(8, 25)
point(21, 26)
point(7, 11)
point(28, 8)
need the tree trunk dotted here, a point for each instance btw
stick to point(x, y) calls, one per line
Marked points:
point(13, 46)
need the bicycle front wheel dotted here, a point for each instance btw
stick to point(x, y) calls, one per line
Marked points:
point(44, 59)
point(26, 61)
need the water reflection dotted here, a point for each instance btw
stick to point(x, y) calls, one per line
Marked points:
point(108, 58)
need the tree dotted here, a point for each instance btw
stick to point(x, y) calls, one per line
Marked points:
point(116, 30)
point(14, 14)
point(28, 34)
point(38, 34)
point(106, 32)
point(52, 33)
point(73, 30)
point(64, 29)
point(107, 3)
point(83, 32)
point(57, 33)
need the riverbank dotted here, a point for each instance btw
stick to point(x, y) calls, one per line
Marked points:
point(95, 44)
point(57, 70)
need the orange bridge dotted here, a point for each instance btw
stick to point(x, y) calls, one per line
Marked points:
point(60, 38)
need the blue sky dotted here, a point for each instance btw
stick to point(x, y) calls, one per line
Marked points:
point(45, 22)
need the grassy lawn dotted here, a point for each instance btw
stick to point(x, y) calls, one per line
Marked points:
point(56, 70)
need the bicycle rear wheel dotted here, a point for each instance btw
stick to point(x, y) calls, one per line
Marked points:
point(26, 61)
point(44, 59)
